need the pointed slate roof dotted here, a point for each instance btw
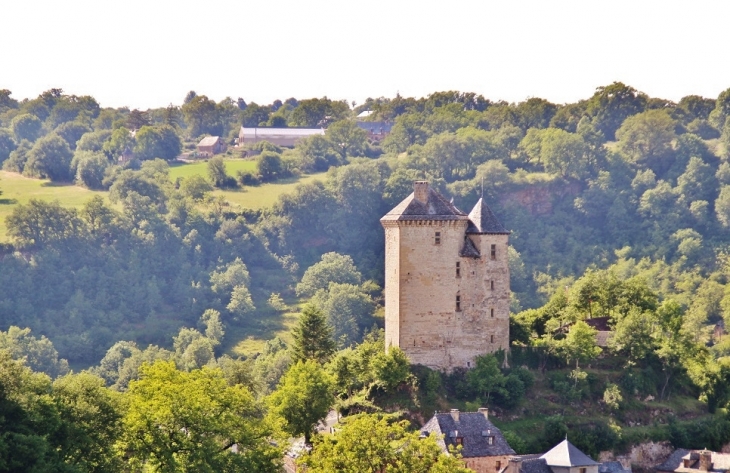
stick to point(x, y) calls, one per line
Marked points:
point(567, 454)
point(483, 220)
point(436, 207)
point(469, 250)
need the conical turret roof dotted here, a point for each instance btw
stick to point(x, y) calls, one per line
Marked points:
point(566, 454)
point(483, 220)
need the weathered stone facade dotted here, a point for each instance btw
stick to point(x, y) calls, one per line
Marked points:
point(447, 281)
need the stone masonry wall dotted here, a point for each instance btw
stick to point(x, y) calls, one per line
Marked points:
point(487, 464)
point(421, 289)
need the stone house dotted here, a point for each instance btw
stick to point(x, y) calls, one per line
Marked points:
point(683, 460)
point(376, 130)
point(483, 448)
point(447, 290)
point(211, 145)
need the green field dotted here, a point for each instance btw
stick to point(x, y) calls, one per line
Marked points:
point(17, 189)
point(189, 169)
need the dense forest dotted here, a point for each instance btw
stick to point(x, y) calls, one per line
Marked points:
point(619, 206)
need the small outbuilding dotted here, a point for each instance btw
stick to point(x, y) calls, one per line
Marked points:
point(211, 145)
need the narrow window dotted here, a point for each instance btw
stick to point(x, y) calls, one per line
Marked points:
point(499, 465)
point(491, 339)
point(494, 252)
point(468, 364)
point(460, 441)
point(491, 312)
point(437, 239)
point(582, 470)
point(491, 284)
point(458, 269)
point(458, 303)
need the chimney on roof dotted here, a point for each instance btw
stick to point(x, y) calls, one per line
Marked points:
point(420, 191)
point(454, 412)
point(485, 411)
point(705, 460)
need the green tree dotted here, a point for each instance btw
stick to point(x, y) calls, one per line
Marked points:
point(38, 354)
point(217, 173)
point(332, 268)
point(347, 138)
point(722, 206)
point(373, 444)
point(612, 104)
point(39, 223)
point(348, 308)
point(269, 166)
point(391, 368)
point(50, 158)
point(26, 127)
point(30, 422)
point(303, 398)
point(196, 187)
point(121, 139)
point(157, 142)
point(91, 168)
point(312, 337)
point(579, 344)
point(190, 421)
point(646, 139)
point(7, 144)
point(564, 154)
point(486, 377)
point(92, 422)
point(72, 132)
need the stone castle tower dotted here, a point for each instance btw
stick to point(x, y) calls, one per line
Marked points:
point(446, 280)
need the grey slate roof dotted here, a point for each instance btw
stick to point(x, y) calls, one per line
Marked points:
point(436, 208)
point(611, 467)
point(483, 220)
point(534, 465)
point(263, 132)
point(376, 127)
point(674, 461)
point(567, 454)
point(474, 429)
point(469, 250)
point(208, 141)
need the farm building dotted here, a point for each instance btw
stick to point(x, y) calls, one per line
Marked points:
point(279, 136)
point(211, 145)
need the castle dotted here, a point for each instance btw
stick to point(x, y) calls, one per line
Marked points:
point(446, 280)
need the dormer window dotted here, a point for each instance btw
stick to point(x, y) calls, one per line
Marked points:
point(459, 441)
point(437, 238)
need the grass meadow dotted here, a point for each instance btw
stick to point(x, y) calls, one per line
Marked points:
point(17, 189)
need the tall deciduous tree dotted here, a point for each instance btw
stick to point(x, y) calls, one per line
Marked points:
point(303, 398)
point(332, 268)
point(312, 337)
point(375, 444)
point(26, 127)
point(49, 158)
point(194, 421)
